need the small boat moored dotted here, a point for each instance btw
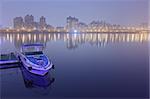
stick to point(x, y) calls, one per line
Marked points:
point(34, 60)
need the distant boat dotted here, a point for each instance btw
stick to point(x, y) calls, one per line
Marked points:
point(33, 59)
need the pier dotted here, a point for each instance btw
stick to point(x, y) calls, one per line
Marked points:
point(8, 61)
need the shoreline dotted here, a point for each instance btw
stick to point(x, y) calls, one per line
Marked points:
point(46, 32)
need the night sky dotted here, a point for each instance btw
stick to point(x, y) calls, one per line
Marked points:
point(124, 12)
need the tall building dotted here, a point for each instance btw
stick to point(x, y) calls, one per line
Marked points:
point(36, 25)
point(72, 23)
point(42, 22)
point(29, 22)
point(50, 27)
point(82, 25)
point(18, 22)
point(100, 25)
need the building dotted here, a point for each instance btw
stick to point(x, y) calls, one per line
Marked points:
point(18, 22)
point(50, 28)
point(60, 29)
point(36, 25)
point(144, 26)
point(72, 23)
point(82, 25)
point(29, 22)
point(42, 22)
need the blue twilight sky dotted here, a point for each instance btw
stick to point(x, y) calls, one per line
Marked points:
point(124, 12)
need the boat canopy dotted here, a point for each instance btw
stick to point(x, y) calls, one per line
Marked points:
point(32, 47)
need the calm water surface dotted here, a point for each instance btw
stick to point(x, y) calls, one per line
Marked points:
point(86, 65)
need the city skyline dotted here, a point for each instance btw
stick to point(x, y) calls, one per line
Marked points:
point(28, 21)
point(73, 24)
point(123, 12)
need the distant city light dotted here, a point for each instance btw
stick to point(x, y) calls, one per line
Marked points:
point(75, 31)
point(73, 24)
point(34, 28)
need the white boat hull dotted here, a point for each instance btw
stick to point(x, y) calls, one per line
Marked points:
point(36, 71)
point(33, 69)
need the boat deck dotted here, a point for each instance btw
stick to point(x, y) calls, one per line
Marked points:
point(8, 61)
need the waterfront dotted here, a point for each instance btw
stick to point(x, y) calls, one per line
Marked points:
point(87, 65)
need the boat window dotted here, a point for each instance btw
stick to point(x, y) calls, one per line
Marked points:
point(33, 53)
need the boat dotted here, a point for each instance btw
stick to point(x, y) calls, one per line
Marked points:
point(34, 60)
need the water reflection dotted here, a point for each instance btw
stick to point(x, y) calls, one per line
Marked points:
point(74, 40)
point(91, 72)
point(36, 82)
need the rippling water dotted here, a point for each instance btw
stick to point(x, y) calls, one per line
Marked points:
point(87, 65)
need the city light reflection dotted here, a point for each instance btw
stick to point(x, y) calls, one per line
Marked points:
point(74, 40)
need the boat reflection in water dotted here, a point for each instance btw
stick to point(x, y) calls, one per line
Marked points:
point(38, 83)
